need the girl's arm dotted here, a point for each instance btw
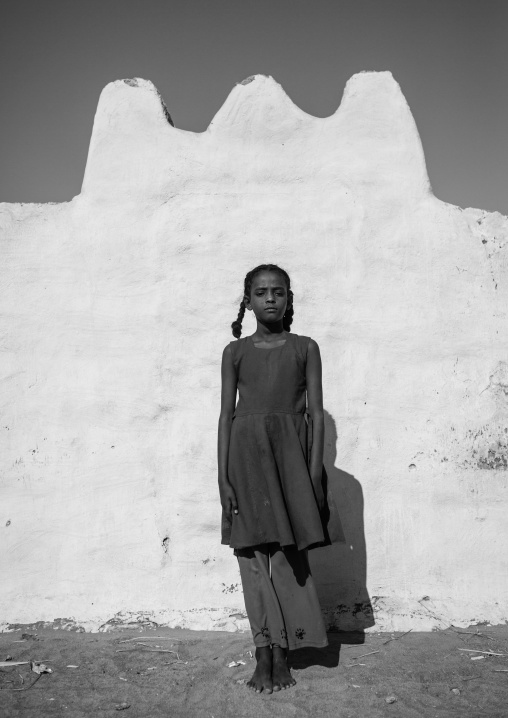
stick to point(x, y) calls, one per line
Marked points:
point(315, 408)
point(228, 398)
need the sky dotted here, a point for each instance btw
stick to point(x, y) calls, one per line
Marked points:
point(449, 57)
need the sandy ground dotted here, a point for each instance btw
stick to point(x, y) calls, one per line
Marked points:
point(154, 672)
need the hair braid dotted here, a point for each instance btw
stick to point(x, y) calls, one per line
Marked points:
point(287, 320)
point(236, 326)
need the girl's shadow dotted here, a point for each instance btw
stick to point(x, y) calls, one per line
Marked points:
point(340, 570)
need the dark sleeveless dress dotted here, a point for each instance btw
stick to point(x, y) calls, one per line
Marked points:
point(269, 451)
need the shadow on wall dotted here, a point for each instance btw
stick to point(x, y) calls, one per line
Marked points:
point(340, 570)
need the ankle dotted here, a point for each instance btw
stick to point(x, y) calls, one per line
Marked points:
point(279, 653)
point(263, 654)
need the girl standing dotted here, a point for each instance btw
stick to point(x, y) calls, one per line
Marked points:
point(270, 481)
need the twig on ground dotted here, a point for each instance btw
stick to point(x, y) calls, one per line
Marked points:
point(364, 654)
point(500, 670)
point(487, 653)
point(397, 637)
point(151, 638)
point(148, 650)
point(26, 688)
point(470, 678)
point(6, 664)
point(471, 633)
point(468, 634)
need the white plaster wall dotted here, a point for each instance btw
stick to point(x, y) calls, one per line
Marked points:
point(115, 308)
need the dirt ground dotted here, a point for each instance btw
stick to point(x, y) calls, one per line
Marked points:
point(172, 673)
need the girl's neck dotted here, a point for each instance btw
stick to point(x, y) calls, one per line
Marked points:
point(268, 332)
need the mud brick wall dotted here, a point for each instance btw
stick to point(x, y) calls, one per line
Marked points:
point(114, 310)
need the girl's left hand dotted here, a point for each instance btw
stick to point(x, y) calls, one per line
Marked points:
point(318, 490)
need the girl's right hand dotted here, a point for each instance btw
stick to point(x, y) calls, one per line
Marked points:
point(228, 500)
point(317, 484)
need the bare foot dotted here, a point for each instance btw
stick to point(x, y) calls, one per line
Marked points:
point(262, 677)
point(281, 676)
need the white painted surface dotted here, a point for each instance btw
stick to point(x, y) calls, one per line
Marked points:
point(115, 308)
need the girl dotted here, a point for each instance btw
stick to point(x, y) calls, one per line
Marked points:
point(270, 483)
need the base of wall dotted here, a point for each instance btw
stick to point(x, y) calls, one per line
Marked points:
point(384, 614)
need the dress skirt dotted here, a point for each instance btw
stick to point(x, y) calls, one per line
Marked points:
point(268, 469)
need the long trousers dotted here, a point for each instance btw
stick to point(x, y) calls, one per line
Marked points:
point(280, 597)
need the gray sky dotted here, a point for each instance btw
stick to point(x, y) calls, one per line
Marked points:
point(449, 57)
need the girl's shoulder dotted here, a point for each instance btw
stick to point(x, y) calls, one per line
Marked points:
point(236, 348)
point(301, 343)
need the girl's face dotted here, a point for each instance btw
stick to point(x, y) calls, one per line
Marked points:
point(268, 297)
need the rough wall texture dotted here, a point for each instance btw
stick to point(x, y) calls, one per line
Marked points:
point(115, 308)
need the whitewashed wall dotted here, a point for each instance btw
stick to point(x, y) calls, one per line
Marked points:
point(115, 308)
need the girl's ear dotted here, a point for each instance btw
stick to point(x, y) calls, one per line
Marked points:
point(246, 303)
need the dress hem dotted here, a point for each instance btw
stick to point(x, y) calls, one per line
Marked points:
point(293, 646)
point(300, 547)
point(306, 644)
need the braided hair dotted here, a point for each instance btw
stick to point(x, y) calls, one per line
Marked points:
point(287, 319)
